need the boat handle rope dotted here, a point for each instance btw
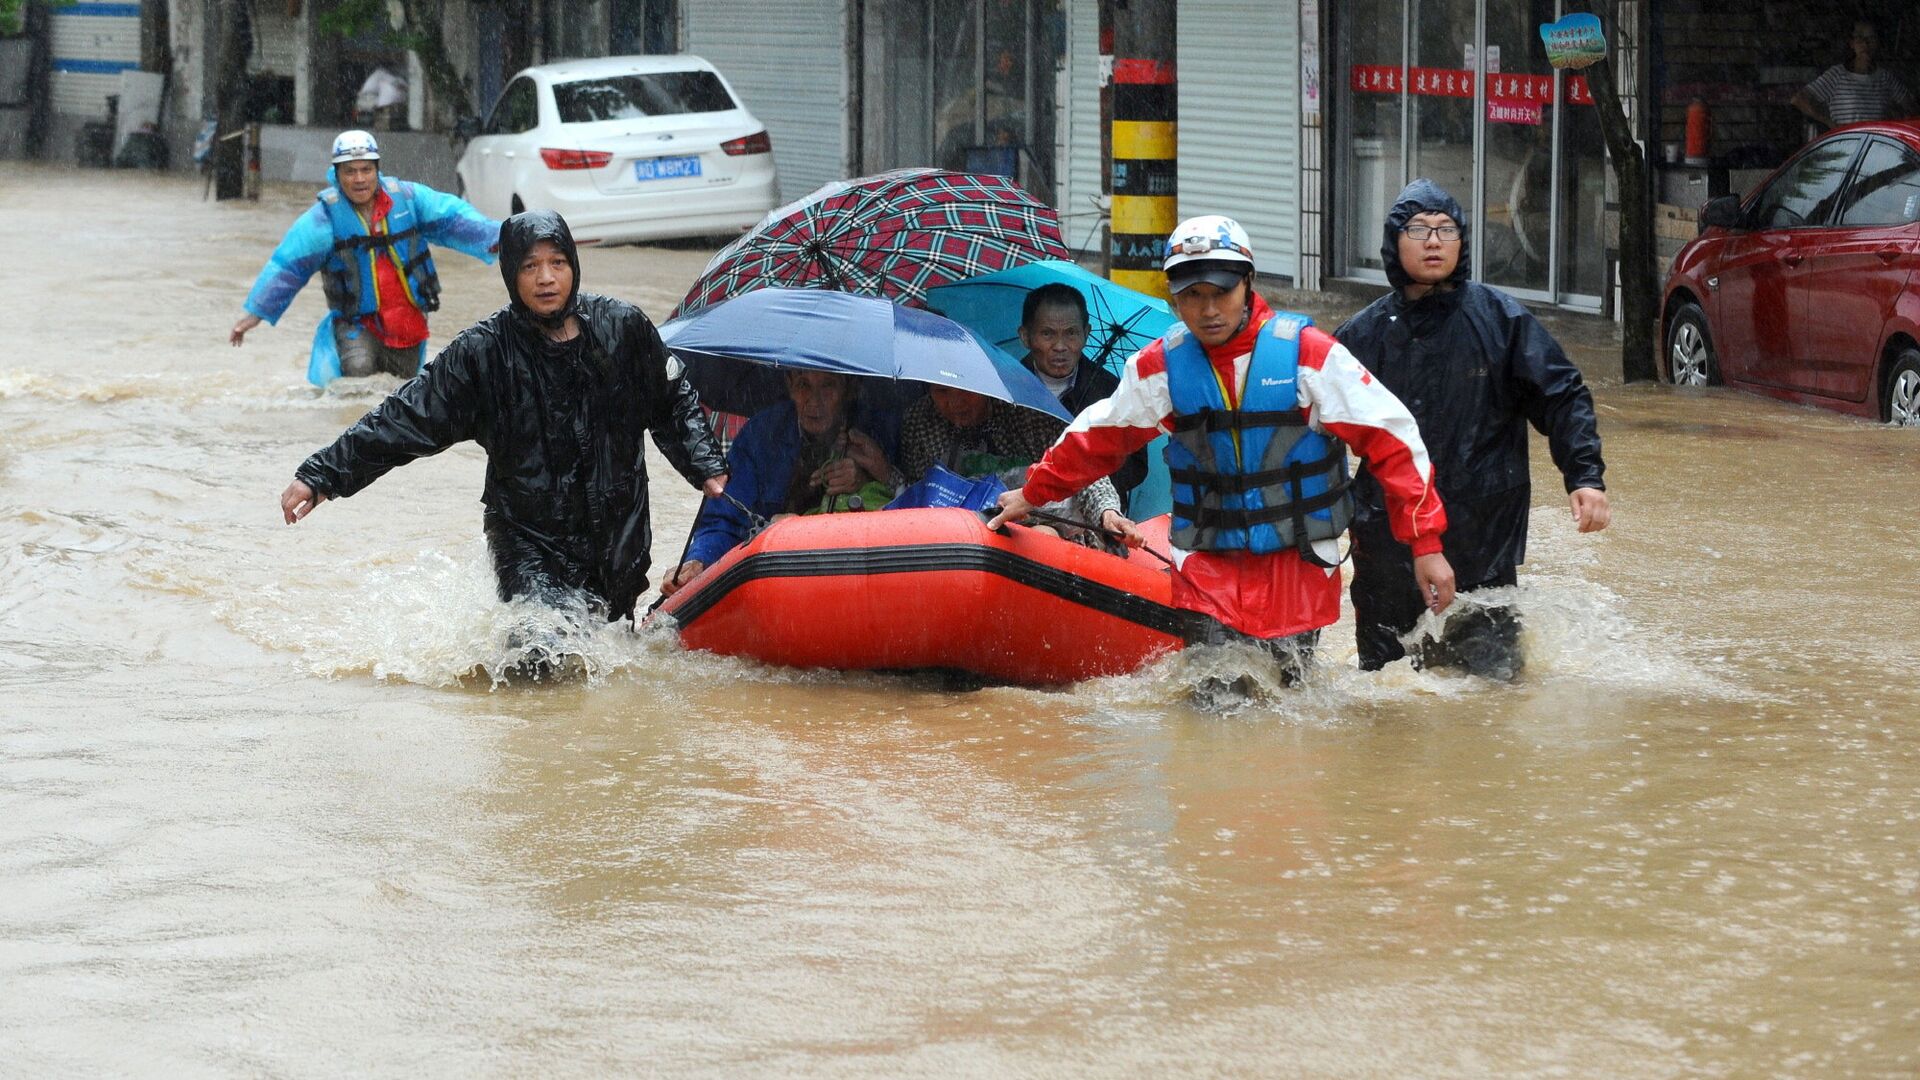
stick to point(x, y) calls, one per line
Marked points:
point(1060, 519)
point(755, 522)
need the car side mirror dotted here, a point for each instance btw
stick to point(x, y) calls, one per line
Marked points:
point(466, 127)
point(1720, 212)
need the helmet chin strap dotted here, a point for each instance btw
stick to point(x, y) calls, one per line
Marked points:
point(1246, 313)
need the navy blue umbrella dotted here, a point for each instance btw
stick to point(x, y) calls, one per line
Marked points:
point(822, 330)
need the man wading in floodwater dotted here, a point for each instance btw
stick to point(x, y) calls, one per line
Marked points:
point(1475, 368)
point(557, 387)
point(1260, 409)
point(368, 238)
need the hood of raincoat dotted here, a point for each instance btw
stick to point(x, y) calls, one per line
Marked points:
point(1423, 196)
point(518, 234)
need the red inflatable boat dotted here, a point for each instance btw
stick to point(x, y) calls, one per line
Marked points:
point(902, 589)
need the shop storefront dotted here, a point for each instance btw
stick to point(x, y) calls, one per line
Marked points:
point(962, 84)
point(1239, 130)
point(1460, 91)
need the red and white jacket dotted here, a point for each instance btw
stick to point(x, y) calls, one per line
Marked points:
point(1265, 596)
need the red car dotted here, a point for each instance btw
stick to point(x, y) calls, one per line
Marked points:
point(1806, 289)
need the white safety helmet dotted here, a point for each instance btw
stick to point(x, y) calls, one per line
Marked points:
point(1209, 248)
point(355, 146)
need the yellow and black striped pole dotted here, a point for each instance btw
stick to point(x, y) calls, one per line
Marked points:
point(1145, 171)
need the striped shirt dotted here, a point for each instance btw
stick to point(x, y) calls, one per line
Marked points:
point(1850, 97)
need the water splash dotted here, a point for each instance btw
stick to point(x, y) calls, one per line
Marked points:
point(436, 621)
point(1573, 631)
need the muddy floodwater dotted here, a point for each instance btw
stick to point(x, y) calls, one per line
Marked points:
point(263, 813)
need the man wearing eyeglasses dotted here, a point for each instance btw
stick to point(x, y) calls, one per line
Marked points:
point(1475, 368)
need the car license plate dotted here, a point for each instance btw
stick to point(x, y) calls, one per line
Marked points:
point(666, 168)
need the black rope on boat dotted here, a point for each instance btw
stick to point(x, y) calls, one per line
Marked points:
point(1061, 519)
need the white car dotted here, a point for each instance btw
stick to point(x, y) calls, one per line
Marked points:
point(625, 148)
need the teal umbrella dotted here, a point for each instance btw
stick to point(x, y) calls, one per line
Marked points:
point(1121, 321)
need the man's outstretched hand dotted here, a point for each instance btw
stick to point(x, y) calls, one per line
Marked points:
point(1013, 507)
point(713, 486)
point(298, 501)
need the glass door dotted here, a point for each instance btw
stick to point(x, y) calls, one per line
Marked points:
point(1460, 92)
point(1442, 135)
point(1371, 115)
point(1515, 249)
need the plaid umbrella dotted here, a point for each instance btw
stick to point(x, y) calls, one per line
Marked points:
point(894, 236)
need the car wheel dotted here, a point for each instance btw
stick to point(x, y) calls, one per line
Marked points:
point(1902, 404)
point(1690, 359)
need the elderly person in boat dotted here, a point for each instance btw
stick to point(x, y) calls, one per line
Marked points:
point(822, 449)
point(977, 436)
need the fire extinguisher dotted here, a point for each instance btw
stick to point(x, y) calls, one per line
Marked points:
point(1699, 132)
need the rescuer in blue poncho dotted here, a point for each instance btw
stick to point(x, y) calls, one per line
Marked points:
point(368, 235)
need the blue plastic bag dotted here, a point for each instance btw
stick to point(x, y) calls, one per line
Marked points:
point(944, 487)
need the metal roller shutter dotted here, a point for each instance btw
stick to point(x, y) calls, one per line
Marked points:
point(1239, 65)
point(788, 63)
point(1079, 130)
point(92, 43)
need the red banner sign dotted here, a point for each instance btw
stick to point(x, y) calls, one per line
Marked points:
point(1508, 111)
point(1375, 79)
point(1450, 82)
point(1440, 82)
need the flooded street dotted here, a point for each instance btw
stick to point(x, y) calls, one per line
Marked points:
point(263, 813)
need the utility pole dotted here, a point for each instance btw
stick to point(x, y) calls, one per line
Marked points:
point(1144, 172)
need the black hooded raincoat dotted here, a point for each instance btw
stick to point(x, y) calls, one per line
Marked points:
point(1475, 368)
point(566, 488)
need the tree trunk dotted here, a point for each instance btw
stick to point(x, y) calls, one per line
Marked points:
point(235, 41)
point(424, 33)
point(1639, 293)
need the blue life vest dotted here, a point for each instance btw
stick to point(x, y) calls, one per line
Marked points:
point(349, 267)
point(1256, 478)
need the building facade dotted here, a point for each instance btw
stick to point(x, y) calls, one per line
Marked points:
point(1298, 117)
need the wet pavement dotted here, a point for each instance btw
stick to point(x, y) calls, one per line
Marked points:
point(264, 813)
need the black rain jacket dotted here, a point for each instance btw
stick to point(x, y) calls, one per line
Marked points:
point(1475, 368)
point(566, 487)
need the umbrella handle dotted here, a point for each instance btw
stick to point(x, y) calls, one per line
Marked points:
point(755, 520)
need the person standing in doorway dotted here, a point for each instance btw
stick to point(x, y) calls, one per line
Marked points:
point(1857, 90)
